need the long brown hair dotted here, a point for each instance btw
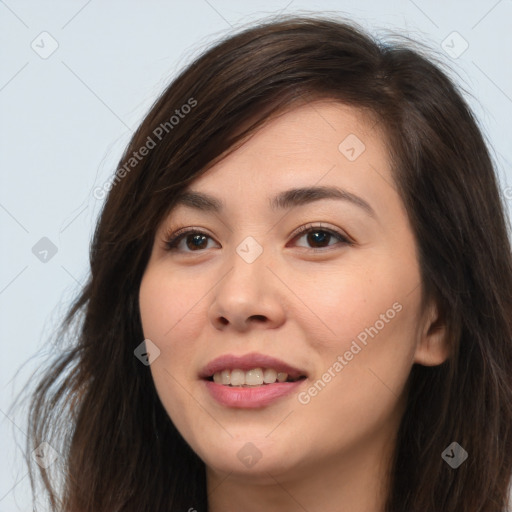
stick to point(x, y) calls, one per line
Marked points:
point(97, 405)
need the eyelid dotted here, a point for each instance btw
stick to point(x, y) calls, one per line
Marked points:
point(311, 226)
point(171, 236)
point(174, 236)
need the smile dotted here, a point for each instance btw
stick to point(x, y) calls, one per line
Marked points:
point(251, 380)
point(254, 377)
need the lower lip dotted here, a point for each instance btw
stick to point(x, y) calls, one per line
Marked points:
point(251, 397)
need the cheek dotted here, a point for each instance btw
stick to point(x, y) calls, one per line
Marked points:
point(339, 304)
point(367, 315)
point(171, 321)
point(357, 394)
point(169, 308)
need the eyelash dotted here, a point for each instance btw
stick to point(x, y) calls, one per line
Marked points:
point(172, 239)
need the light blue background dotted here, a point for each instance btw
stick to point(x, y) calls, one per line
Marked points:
point(66, 119)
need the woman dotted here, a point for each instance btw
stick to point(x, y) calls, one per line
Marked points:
point(300, 294)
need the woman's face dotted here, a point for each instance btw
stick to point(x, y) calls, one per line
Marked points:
point(339, 303)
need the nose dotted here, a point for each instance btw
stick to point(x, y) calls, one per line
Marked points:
point(247, 297)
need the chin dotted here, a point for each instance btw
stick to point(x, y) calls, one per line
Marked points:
point(245, 455)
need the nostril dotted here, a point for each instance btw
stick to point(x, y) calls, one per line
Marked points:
point(259, 318)
point(223, 321)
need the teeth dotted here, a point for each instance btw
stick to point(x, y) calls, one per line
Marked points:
point(237, 377)
point(281, 376)
point(223, 377)
point(254, 377)
point(226, 377)
point(269, 376)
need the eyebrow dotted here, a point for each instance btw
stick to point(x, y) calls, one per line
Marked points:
point(284, 200)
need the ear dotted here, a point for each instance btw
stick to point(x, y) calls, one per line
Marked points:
point(432, 345)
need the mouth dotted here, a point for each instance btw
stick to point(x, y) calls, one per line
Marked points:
point(250, 381)
point(250, 370)
point(251, 378)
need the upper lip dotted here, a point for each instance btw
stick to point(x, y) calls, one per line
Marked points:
point(249, 362)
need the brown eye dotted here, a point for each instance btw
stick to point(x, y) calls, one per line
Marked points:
point(317, 238)
point(197, 241)
point(188, 241)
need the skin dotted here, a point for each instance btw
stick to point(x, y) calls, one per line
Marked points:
point(303, 306)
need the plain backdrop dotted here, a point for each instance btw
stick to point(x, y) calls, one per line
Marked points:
point(77, 77)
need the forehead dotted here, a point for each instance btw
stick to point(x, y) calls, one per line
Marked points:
point(319, 144)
